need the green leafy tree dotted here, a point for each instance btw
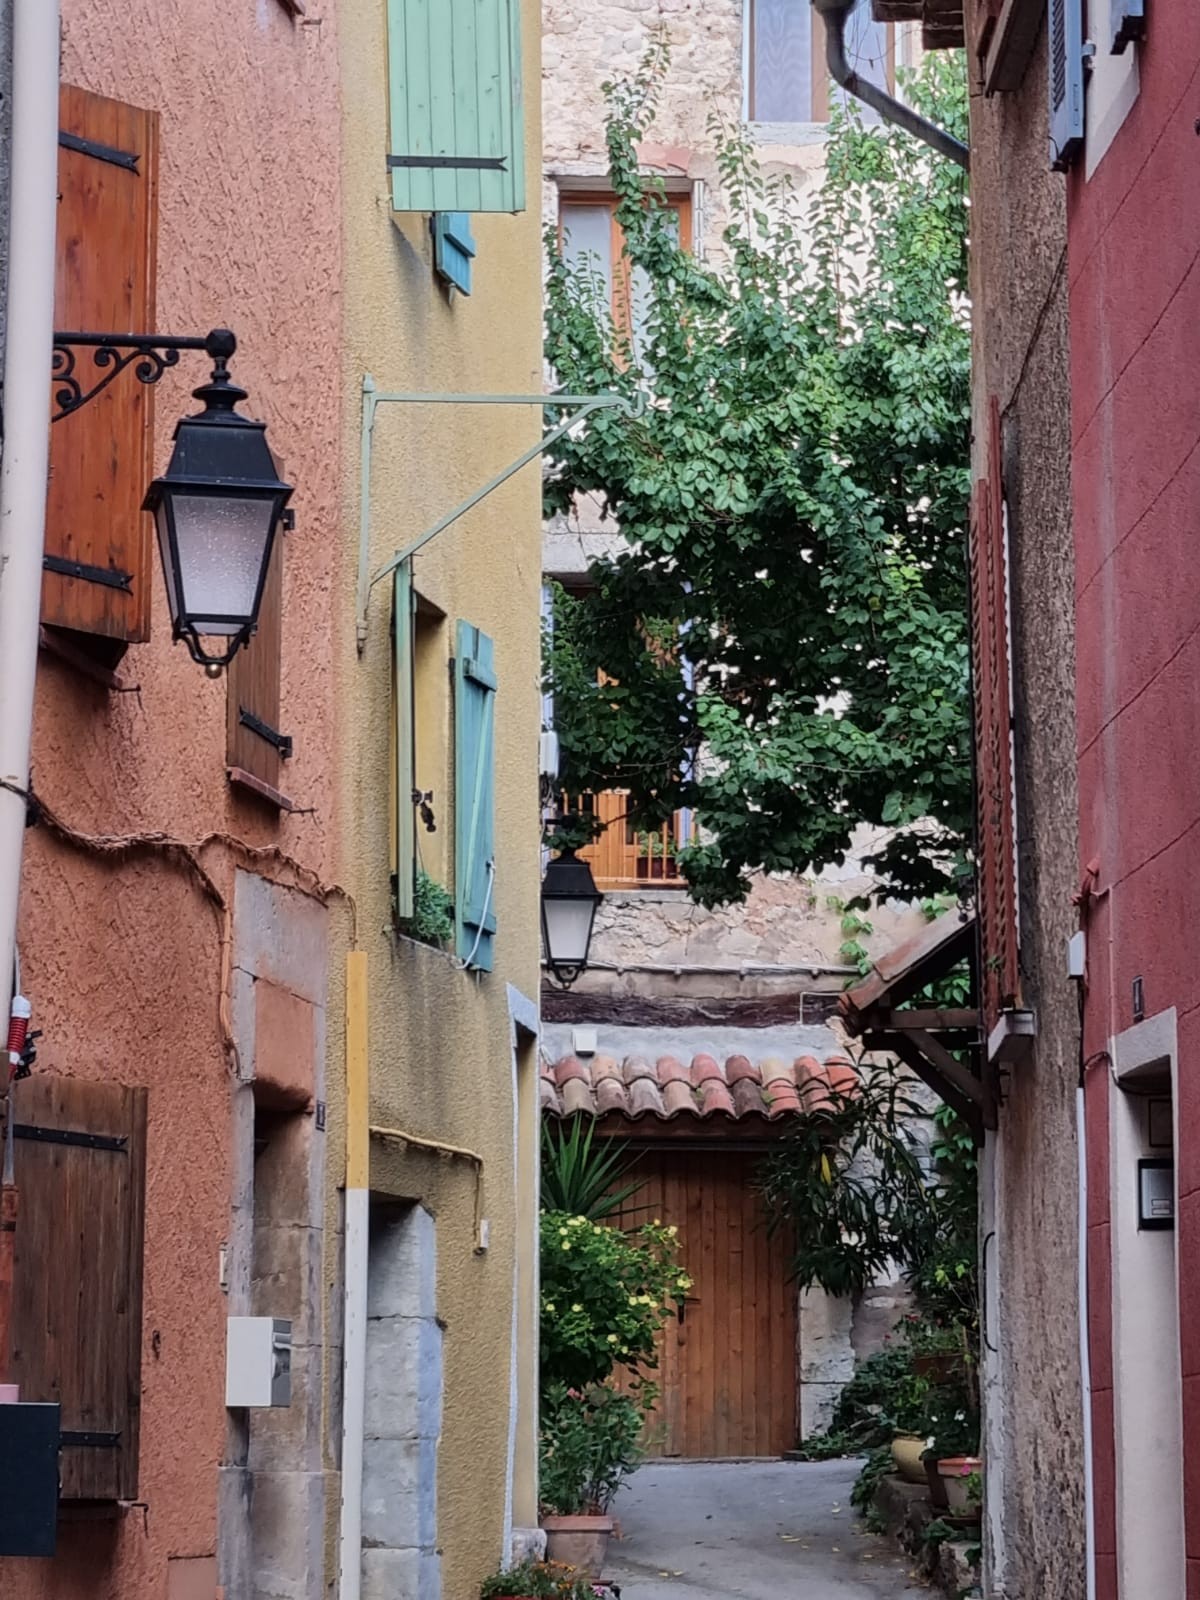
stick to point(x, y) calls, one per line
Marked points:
point(779, 643)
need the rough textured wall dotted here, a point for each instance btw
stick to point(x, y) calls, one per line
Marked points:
point(440, 1039)
point(122, 955)
point(1019, 289)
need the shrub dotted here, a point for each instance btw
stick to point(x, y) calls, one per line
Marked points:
point(589, 1443)
point(538, 1580)
point(605, 1295)
point(581, 1176)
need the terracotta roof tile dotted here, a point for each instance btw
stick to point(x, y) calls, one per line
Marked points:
point(669, 1088)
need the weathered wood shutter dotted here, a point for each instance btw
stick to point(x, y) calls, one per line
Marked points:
point(995, 819)
point(255, 745)
point(474, 797)
point(80, 1154)
point(403, 827)
point(457, 127)
point(1064, 33)
point(98, 547)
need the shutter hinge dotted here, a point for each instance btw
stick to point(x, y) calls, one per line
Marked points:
point(281, 741)
point(89, 1439)
point(88, 1141)
point(109, 577)
point(98, 152)
point(451, 163)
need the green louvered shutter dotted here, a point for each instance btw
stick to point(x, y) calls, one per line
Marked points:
point(474, 797)
point(457, 138)
point(403, 828)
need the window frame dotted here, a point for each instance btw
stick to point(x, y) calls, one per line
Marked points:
point(620, 295)
point(816, 126)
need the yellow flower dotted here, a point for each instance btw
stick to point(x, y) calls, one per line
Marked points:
point(657, 1223)
point(635, 1299)
point(624, 1349)
point(578, 1222)
point(549, 1306)
point(562, 1231)
point(577, 1306)
point(684, 1282)
point(566, 1244)
point(673, 1231)
point(597, 1230)
point(612, 1338)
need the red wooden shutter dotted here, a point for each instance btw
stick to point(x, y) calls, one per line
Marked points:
point(995, 827)
point(254, 745)
point(98, 553)
point(80, 1154)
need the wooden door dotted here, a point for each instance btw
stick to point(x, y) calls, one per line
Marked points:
point(728, 1367)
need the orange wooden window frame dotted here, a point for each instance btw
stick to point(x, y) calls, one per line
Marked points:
point(618, 858)
point(622, 297)
point(820, 78)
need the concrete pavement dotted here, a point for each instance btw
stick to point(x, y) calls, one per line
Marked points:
point(754, 1530)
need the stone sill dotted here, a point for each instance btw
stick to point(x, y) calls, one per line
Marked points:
point(789, 133)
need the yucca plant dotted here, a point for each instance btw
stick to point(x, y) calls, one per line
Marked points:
point(582, 1177)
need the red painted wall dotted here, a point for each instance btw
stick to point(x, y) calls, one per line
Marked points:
point(123, 957)
point(1133, 254)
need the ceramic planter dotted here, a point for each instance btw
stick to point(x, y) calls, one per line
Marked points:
point(907, 1450)
point(955, 1472)
point(580, 1542)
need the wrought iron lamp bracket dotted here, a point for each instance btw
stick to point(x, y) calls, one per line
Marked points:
point(150, 354)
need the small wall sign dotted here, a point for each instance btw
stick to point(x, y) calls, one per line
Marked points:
point(1156, 1193)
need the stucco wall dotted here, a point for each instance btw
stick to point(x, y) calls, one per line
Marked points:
point(122, 954)
point(1034, 1408)
point(441, 1059)
point(1135, 424)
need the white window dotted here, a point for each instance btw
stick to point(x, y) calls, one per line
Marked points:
point(786, 80)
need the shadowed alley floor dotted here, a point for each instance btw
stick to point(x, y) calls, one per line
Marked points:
point(754, 1530)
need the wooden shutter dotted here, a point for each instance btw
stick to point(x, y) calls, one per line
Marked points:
point(1064, 33)
point(80, 1154)
point(453, 248)
point(995, 820)
point(255, 746)
point(98, 550)
point(474, 797)
point(403, 829)
point(457, 138)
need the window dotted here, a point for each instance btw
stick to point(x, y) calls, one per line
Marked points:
point(786, 80)
point(622, 857)
point(592, 237)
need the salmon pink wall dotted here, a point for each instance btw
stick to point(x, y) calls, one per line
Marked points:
point(122, 953)
point(1135, 342)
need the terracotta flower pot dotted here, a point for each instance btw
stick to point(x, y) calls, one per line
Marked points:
point(955, 1472)
point(578, 1542)
point(907, 1450)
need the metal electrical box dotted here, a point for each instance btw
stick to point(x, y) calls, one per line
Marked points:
point(258, 1362)
point(29, 1444)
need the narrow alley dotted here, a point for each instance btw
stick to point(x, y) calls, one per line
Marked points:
point(757, 1530)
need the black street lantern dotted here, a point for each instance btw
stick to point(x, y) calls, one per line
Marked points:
point(217, 509)
point(569, 901)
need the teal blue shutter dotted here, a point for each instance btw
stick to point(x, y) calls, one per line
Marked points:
point(453, 248)
point(404, 822)
point(474, 797)
point(456, 120)
point(1065, 38)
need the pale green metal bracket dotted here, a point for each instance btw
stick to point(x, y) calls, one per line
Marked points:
point(579, 404)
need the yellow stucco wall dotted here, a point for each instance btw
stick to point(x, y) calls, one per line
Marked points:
point(441, 1054)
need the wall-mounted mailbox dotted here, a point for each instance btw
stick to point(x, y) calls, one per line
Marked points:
point(1156, 1192)
point(29, 1444)
point(258, 1362)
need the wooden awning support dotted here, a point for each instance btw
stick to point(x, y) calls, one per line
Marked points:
point(924, 1037)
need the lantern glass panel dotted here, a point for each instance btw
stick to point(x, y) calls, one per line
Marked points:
point(221, 541)
point(568, 927)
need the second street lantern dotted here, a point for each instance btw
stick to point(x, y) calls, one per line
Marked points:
point(569, 901)
point(217, 509)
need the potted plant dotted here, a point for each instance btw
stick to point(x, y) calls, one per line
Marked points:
point(963, 1480)
point(590, 1442)
point(538, 1580)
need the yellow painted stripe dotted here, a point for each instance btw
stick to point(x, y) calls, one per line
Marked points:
point(358, 1139)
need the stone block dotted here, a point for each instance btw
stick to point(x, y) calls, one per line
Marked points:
point(284, 1046)
point(402, 1266)
point(288, 1438)
point(280, 934)
point(287, 1533)
point(400, 1492)
point(401, 1575)
point(528, 1544)
point(404, 1378)
point(286, 1278)
point(826, 1348)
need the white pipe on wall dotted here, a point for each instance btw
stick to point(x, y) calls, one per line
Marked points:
point(1085, 1354)
point(28, 347)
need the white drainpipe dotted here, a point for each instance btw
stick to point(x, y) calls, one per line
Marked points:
point(28, 344)
point(1085, 1353)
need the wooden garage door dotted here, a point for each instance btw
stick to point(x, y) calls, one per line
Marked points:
point(728, 1368)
